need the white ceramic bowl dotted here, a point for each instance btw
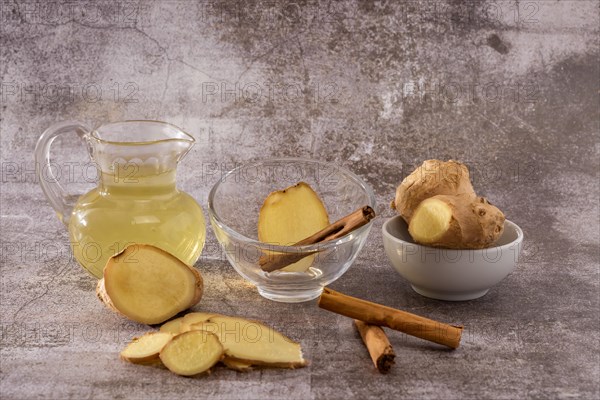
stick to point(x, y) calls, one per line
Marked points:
point(449, 274)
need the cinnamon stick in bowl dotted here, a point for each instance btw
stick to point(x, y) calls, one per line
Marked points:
point(341, 227)
point(377, 314)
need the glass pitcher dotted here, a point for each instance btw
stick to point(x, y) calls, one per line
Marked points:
point(136, 200)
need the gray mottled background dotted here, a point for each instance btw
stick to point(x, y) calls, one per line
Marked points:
point(509, 87)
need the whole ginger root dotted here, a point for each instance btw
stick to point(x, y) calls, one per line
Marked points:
point(438, 202)
point(433, 177)
point(456, 222)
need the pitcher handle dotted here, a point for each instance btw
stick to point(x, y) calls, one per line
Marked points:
point(62, 201)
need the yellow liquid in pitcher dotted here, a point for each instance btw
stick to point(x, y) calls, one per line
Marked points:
point(146, 210)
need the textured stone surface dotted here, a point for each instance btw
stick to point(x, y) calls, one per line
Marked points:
point(510, 88)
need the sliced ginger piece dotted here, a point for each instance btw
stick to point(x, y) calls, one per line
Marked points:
point(191, 353)
point(173, 326)
point(145, 349)
point(194, 318)
point(236, 365)
point(254, 343)
point(457, 222)
point(290, 215)
point(148, 285)
point(231, 363)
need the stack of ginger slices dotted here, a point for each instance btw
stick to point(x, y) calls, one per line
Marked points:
point(196, 342)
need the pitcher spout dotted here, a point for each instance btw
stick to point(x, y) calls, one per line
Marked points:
point(125, 149)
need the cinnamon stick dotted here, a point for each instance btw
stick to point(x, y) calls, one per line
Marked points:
point(377, 314)
point(341, 227)
point(377, 343)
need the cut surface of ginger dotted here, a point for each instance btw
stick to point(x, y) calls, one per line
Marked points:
point(430, 221)
point(192, 318)
point(191, 353)
point(145, 349)
point(149, 285)
point(173, 326)
point(254, 343)
point(290, 215)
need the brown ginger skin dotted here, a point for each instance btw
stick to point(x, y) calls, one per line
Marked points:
point(433, 177)
point(474, 224)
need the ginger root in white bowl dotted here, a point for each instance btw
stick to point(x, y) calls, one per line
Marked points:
point(438, 202)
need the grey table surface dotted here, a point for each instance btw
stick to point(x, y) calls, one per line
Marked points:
point(510, 88)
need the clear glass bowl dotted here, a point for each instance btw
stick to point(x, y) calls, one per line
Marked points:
point(234, 204)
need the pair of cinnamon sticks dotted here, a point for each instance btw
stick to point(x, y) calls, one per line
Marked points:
point(370, 317)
